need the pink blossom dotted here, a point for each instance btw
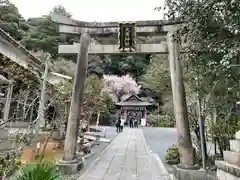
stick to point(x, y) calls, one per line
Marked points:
point(119, 86)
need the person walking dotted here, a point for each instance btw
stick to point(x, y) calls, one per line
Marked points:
point(118, 122)
point(131, 123)
point(122, 124)
point(136, 123)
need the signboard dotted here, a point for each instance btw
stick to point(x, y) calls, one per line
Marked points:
point(127, 36)
point(133, 108)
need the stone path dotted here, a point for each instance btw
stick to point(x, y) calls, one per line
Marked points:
point(127, 158)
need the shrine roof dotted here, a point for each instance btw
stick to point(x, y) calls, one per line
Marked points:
point(133, 100)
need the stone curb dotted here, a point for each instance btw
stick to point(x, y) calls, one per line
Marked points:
point(97, 158)
point(158, 160)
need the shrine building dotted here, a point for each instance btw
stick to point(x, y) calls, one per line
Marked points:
point(133, 107)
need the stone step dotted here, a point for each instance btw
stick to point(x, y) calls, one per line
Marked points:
point(227, 171)
point(232, 157)
point(235, 145)
point(223, 175)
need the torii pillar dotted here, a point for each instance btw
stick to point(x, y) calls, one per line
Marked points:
point(71, 163)
point(186, 150)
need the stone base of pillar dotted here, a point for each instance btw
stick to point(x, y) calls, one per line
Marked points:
point(195, 167)
point(193, 173)
point(70, 167)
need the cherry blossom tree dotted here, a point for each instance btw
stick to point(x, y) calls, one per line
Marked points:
point(120, 86)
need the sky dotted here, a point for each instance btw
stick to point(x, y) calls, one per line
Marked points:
point(94, 10)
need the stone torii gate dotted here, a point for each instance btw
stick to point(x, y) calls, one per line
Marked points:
point(146, 37)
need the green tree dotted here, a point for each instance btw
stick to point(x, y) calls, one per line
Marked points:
point(122, 65)
point(59, 9)
point(11, 21)
point(95, 98)
point(211, 30)
point(92, 93)
point(43, 34)
point(157, 78)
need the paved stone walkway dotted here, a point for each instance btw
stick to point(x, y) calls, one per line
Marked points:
point(127, 158)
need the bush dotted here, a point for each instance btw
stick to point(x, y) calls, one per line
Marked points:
point(40, 171)
point(172, 156)
point(160, 121)
point(9, 163)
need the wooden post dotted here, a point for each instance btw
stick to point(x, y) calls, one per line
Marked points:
point(8, 102)
point(77, 100)
point(187, 154)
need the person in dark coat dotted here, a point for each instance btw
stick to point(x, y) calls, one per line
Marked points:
point(131, 123)
point(118, 122)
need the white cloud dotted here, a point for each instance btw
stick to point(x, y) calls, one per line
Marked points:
point(94, 10)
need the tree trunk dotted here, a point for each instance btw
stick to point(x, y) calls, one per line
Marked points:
point(98, 117)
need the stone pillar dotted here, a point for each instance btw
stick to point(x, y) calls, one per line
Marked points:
point(71, 163)
point(8, 101)
point(187, 158)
